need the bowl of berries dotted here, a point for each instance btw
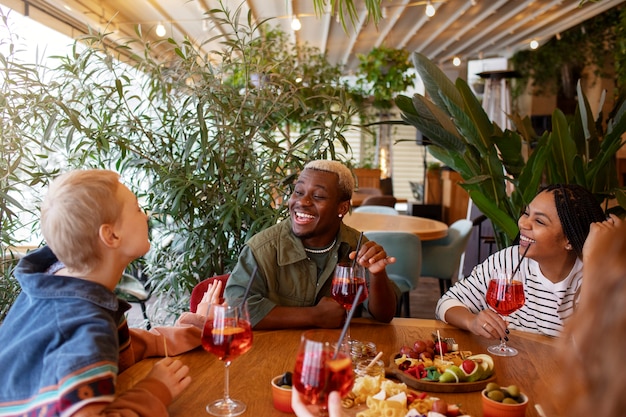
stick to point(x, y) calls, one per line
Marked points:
point(503, 401)
point(281, 392)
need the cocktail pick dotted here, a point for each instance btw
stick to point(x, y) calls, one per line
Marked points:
point(540, 411)
point(346, 325)
point(245, 294)
point(358, 246)
point(440, 346)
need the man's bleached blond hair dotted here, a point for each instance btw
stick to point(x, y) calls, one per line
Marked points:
point(346, 179)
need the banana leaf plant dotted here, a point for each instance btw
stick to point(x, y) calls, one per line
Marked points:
point(498, 179)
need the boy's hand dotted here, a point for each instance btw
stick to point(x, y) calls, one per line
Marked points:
point(173, 373)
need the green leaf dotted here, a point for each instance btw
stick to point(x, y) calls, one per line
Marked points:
point(510, 147)
point(436, 83)
point(563, 150)
point(476, 113)
point(500, 219)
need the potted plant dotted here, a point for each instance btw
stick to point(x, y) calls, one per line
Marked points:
point(556, 65)
point(490, 160)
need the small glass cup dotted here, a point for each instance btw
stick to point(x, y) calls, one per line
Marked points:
point(362, 350)
point(376, 369)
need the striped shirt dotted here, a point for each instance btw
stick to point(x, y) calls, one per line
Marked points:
point(547, 305)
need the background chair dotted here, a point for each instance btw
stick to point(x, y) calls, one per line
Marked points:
point(380, 200)
point(484, 237)
point(200, 288)
point(405, 273)
point(442, 257)
point(376, 209)
point(133, 290)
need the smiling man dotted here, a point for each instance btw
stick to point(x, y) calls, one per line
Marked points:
point(296, 258)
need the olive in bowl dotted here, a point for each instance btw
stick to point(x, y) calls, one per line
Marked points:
point(500, 401)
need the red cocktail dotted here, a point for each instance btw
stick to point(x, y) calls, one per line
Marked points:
point(505, 296)
point(321, 368)
point(227, 342)
point(344, 291)
point(227, 333)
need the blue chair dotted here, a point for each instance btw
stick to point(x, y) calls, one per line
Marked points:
point(442, 257)
point(405, 273)
point(376, 209)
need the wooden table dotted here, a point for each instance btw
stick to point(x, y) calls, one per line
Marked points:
point(274, 353)
point(426, 229)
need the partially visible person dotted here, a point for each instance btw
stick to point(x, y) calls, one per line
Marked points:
point(591, 381)
point(65, 339)
point(303, 410)
point(296, 258)
point(553, 229)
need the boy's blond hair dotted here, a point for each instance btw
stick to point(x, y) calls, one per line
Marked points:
point(346, 179)
point(76, 205)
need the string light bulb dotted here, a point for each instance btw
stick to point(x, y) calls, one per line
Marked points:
point(160, 30)
point(456, 61)
point(534, 44)
point(295, 23)
point(430, 9)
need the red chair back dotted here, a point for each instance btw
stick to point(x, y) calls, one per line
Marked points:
point(200, 289)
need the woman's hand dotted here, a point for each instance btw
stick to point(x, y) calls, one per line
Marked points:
point(486, 323)
point(490, 325)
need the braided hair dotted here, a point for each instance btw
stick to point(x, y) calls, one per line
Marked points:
point(577, 208)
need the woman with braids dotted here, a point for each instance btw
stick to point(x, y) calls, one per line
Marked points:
point(553, 229)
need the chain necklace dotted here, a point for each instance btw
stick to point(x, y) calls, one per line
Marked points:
point(319, 251)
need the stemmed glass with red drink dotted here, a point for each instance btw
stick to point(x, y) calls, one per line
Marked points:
point(505, 295)
point(322, 367)
point(227, 334)
point(346, 282)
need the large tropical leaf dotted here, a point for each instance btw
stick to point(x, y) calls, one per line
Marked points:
point(452, 159)
point(563, 150)
point(436, 83)
point(510, 146)
point(476, 113)
point(431, 121)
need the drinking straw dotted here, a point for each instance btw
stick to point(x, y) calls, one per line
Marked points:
point(346, 325)
point(165, 345)
point(358, 246)
point(245, 294)
point(377, 357)
point(519, 263)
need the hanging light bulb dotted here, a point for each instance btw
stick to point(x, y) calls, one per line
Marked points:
point(456, 61)
point(295, 23)
point(534, 44)
point(430, 9)
point(160, 30)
